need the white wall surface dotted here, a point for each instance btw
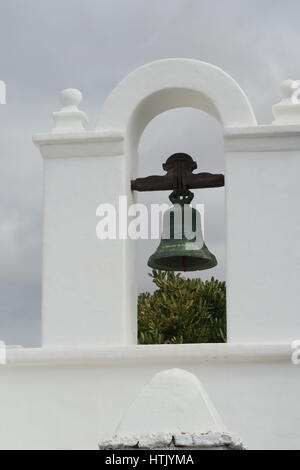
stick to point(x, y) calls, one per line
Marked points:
point(81, 274)
point(74, 405)
point(263, 236)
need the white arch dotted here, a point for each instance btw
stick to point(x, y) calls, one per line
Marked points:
point(174, 83)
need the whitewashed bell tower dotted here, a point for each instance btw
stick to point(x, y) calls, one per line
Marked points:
point(88, 381)
point(82, 275)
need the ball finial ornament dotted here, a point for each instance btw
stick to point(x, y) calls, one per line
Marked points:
point(289, 89)
point(70, 118)
point(287, 112)
point(71, 97)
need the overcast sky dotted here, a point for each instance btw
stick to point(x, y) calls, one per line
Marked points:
point(46, 46)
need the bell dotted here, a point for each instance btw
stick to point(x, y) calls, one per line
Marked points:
point(182, 247)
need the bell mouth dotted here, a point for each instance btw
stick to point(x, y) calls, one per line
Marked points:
point(182, 263)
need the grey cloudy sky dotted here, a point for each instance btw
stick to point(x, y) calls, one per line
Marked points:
point(46, 46)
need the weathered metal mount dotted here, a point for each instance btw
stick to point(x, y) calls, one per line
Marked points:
point(179, 178)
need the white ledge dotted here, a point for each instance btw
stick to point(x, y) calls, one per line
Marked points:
point(77, 137)
point(191, 353)
point(268, 138)
point(267, 130)
point(80, 144)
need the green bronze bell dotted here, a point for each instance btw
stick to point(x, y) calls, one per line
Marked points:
point(182, 247)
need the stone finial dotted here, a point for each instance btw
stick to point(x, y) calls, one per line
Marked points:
point(70, 118)
point(288, 110)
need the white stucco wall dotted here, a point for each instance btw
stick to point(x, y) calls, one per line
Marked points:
point(73, 403)
point(263, 234)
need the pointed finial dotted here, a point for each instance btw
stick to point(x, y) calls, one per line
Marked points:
point(288, 110)
point(70, 118)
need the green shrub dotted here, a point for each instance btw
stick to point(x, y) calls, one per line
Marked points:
point(182, 311)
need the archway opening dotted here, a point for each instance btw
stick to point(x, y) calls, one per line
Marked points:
point(162, 86)
point(201, 136)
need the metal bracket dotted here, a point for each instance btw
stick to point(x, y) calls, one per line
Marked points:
point(179, 178)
